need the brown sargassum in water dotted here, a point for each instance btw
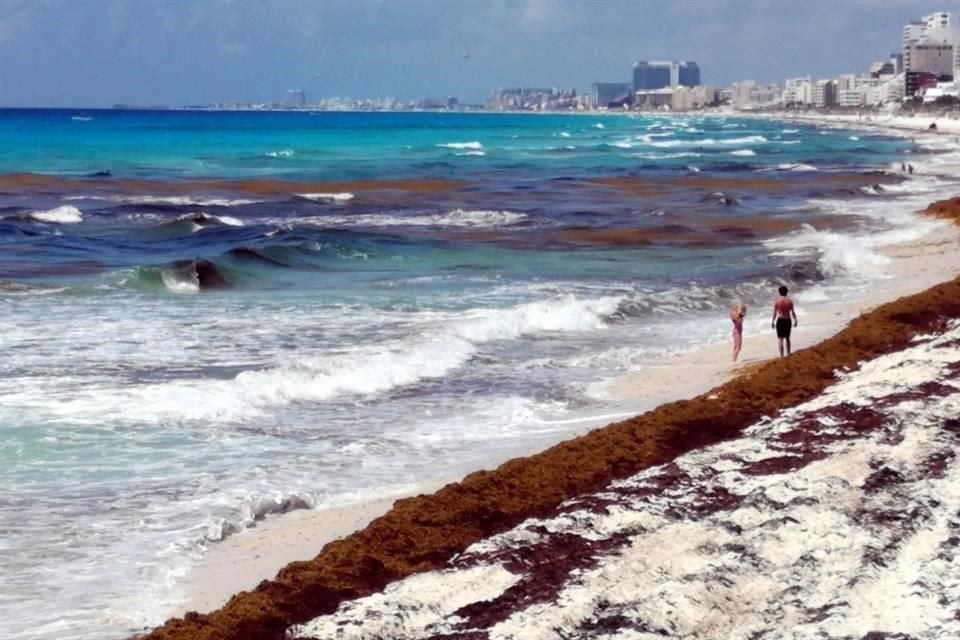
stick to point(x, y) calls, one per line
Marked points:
point(422, 533)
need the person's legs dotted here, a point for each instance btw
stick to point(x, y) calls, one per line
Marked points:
point(788, 345)
point(737, 343)
point(780, 346)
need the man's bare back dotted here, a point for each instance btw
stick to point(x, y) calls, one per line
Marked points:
point(783, 307)
point(782, 312)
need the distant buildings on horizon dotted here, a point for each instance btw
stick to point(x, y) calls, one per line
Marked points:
point(926, 69)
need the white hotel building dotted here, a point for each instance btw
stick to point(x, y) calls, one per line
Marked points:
point(941, 28)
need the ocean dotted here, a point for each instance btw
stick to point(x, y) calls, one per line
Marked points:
point(209, 318)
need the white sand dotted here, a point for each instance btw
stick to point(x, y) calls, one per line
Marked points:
point(243, 560)
point(921, 122)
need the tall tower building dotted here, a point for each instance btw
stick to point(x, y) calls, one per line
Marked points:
point(661, 74)
point(689, 74)
point(651, 75)
point(296, 98)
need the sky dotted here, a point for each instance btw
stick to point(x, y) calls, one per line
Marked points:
point(94, 53)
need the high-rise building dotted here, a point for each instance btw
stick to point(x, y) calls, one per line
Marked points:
point(935, 58)
point(296, 98)
point(824, 93)
point(649, 75)
point(688, 74)
point(798, 91)
point(913, 32)
point(937, 29)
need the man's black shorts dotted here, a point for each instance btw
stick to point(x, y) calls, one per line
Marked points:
point(783, 327)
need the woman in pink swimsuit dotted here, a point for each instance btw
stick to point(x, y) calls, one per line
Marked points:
point(736, 316)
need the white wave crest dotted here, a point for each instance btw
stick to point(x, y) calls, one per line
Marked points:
point(230, 221)
point(790, 131)
point(179, 283)
point(790, 166)
point(447, 342)
point(182, 201)
point(666, 156)
point(462, 145)
point(839, 254)
point(472, 153)
point(743, 152)
point(283, 153)
point(648, 137)
point(743, 140)
point(335, 197)
point(65, 214)
point(564, 134)
point(454, 218)
point(680, 143)
point(703, 142)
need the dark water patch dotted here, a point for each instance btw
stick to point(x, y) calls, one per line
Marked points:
point(203, 272)
point(673, 234)
point(33, 269)
point(153, 207)
point(721, 198)
point(256, 255)
point(739, 233)
point(803, 271)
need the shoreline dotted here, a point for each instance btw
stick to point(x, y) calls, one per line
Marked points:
point(422, 533)
point(488, 501)
point(257, 555)
point(898, 124)
point(243, 560)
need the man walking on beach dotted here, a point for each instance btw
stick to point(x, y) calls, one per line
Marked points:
point(782, 311)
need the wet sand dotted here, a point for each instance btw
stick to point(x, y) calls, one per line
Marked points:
point(424, 532)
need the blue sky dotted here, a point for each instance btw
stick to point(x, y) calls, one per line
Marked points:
point(76, 53)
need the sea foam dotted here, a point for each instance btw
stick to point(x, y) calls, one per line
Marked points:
point(65, 214)
point(444, 344)
point(461, 145)
point(453, 218)
point(334, 197)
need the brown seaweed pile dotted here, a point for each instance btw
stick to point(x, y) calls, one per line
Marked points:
point(424, 532)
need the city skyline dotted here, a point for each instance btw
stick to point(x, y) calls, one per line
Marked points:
point(102, 52)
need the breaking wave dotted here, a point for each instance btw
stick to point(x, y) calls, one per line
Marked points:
point(461, 145)
point(65, 214)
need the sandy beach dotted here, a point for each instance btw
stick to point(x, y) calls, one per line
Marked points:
point(243, 561)
point(920, 122)
point(384, 541)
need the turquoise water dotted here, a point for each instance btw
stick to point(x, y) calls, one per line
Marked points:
point(335, 146)
point(209, 318)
